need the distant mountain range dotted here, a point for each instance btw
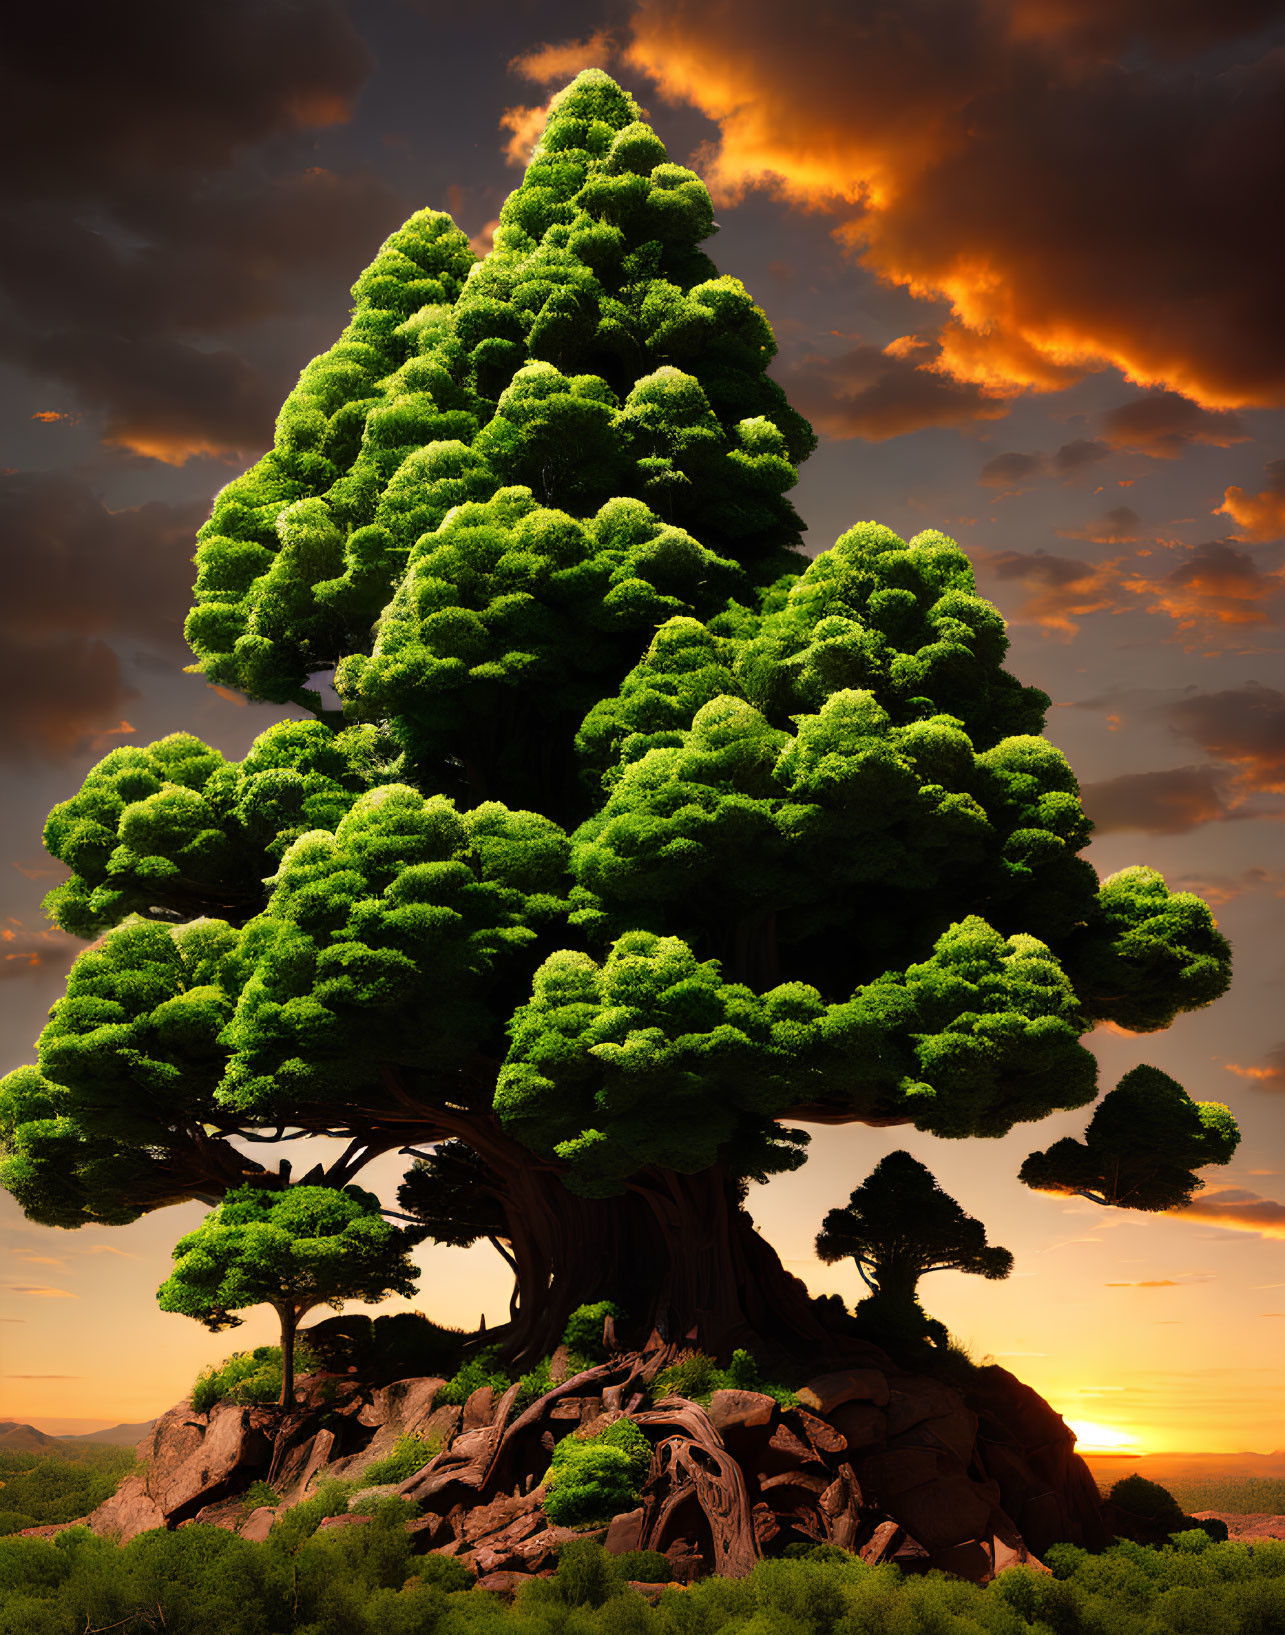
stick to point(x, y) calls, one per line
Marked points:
point(20, 1438)
point(24, 1438)
point(1162, 1467)
point(117, 1433)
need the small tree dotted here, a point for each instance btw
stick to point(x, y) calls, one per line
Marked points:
point(292, 1250)
point(897, 1226)
point(1141, 1149)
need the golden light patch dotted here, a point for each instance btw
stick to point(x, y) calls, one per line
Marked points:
point(1093, 1437)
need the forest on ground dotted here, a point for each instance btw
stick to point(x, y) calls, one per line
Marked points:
point(362, 1580)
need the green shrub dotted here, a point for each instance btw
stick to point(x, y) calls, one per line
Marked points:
point(409, 1454)
point(642, 1567)
point(1147, 1499)
point(13, 1521)
point(259, 1494)
point(593, 1478)
point(697, 1376)
point(481, 1369)
point(248, 1377)
point(583, 1577)
point(444, 1573)
point(583, 1333)
point(533, 1384)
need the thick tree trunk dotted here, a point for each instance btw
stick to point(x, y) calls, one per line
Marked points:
point(677, 1254)
point(289, 1322)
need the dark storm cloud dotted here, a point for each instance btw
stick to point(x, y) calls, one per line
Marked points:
point(1165, 424)
point(1075, 456)
point(1006, 469)
point(94, 95)
point(1066, 462)
point(1064, 178)
point(1159, 803)
point(159, 196)
point(82, 581)
point(880, 392)
point(1243, 726)
point(1121, 525)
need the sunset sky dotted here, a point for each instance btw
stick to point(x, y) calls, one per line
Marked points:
point(1022, 258)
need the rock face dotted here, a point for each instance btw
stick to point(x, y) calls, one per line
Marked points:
point(889, 1464)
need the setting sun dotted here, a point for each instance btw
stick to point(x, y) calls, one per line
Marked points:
point(1094, 1438)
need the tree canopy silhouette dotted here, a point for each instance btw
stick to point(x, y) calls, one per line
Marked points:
point(640, 841)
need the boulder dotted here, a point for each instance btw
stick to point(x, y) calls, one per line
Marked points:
point(883, 1543)
point(506, 1583)
point(945, 1511)
point(258, 1524)
point(827, 1391)
point(201, 1460)
point(739, 1411)
point(405, 1404)
point(479, 1410)
point(912, 1400)
point(861, 1424)
point(130, 1510)
point(624, 1532)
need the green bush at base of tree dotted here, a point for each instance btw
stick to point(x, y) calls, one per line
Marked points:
point(247, 1377)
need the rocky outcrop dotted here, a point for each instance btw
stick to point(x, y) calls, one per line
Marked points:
point(887, 1463)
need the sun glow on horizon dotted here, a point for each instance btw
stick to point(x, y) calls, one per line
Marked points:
point(1091, 1437)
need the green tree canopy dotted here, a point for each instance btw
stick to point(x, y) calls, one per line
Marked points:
point(292, 1250)
point(1141, 1149)
point(640, 841)
point(898, 1225)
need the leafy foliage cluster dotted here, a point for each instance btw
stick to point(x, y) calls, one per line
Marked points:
point(56, 1487)
point(409, 1453)
point(593, 1478)
point(697, 1376)
point(362, 1581)
point(247, 1377)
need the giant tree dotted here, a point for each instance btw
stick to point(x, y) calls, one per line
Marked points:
point(641, 841)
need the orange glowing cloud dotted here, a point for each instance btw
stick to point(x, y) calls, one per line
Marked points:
point(1259, 516)
point(1213, 592)
point(525, 127)
point(549, 63)
point(998, 157)
point(1243, 727)
point(1269, 1073)
point(1217, 585)
point(1238, 1210)
point(1062, 591)
point(880, 392)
